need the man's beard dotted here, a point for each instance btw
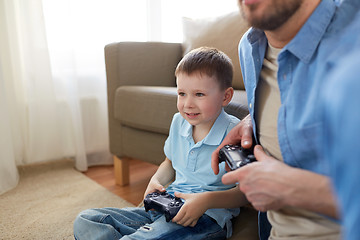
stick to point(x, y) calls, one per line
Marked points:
point(275, 16)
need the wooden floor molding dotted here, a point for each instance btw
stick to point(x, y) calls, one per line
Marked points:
point(140, 174)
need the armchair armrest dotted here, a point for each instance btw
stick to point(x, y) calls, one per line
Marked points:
point(140, 63)
point(137, 64)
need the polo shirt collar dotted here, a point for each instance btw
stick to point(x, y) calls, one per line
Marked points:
point(305, 43)
point(216, 134)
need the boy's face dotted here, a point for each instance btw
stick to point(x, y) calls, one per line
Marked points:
point(200, 99)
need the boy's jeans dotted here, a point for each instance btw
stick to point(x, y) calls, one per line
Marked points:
point(136, 223)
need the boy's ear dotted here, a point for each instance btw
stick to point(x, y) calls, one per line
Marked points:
point(228, 94)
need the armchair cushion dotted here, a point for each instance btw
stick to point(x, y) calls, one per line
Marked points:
point(151, 108)
point(146, 107)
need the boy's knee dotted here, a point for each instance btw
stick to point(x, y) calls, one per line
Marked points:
point(84, 219)
point(86, 214)
point(88, 225)
point(79, 222)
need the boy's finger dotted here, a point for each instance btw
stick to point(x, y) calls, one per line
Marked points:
point(178, 216)
point(181, 195)
point(160, 188)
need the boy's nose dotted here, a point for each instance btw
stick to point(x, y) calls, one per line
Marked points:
point(188, 102)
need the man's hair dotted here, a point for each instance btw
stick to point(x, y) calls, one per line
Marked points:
point(209, 61)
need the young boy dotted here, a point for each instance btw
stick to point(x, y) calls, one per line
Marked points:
point(204, 78)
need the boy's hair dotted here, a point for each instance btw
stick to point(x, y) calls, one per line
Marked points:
point(209, 61)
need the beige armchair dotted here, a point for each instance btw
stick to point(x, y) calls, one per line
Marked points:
point(142, 101)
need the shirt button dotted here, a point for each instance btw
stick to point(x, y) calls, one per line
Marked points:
point(192, 152)
point(250, 105)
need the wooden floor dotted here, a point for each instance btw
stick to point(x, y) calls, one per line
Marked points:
point(140, 174)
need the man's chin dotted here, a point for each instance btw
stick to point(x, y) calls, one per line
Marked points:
point(266, 15)
point(250, 2)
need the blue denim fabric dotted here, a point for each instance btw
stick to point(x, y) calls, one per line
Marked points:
point(136, 223)
point(264, 226)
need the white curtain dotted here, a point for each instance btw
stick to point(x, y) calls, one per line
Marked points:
point(25, 89)
point(52, 72)
point(52, 104)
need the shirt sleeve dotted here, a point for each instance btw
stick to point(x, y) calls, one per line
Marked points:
point(170, 138)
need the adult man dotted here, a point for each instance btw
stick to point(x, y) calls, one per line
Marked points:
point(283, 67)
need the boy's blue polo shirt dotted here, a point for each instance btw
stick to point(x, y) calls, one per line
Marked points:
point(192, 162)
point(301, 77)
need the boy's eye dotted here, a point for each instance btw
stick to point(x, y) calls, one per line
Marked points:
point(200, 94)
point(181, 94)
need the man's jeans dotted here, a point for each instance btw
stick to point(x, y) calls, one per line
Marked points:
point(136, 223)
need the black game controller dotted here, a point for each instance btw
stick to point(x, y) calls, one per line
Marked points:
point(236, 156)
point(163, 202)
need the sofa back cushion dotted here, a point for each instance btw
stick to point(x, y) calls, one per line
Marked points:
point(223, 33)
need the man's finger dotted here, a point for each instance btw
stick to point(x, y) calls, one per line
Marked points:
point(247, 140)
point(227, 168)
point(231, 177)
point(259, 153)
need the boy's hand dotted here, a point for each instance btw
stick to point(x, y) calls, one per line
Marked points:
point(194, 207)
point(154, 186)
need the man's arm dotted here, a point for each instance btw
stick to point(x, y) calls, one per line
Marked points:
point(270, 185)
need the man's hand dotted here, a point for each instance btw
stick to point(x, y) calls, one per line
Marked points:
point(270, 184)
point(242, 132)
point(194, 207)
point(264, 182)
